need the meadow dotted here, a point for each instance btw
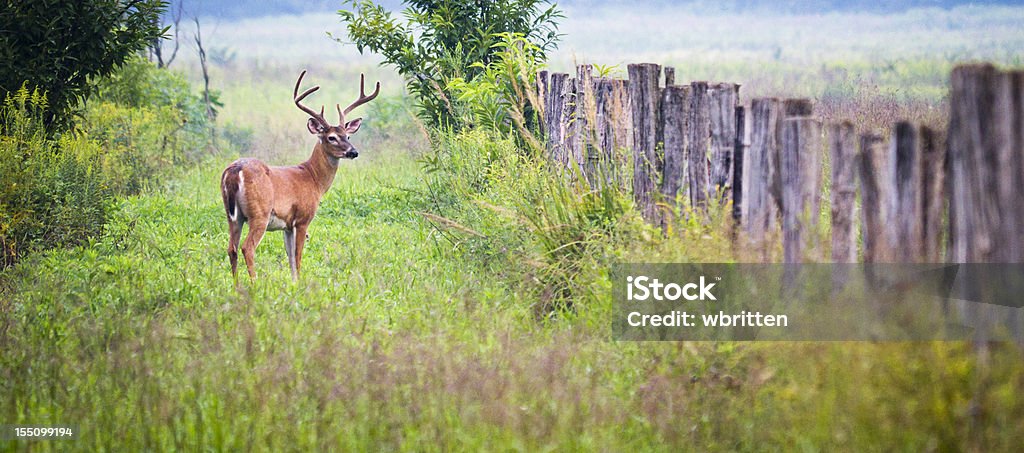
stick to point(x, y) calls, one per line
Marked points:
point(431, 314)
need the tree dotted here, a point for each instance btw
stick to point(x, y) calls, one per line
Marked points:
point(444, 40)
point(58, 46)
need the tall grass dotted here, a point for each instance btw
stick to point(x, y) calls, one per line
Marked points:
point(454, 297)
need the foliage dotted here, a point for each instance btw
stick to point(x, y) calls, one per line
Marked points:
point(502, 97)
point(142, 125)
point(526, 211)
point(149, 122)
point(59, 47)
point(393, 342)
point(442, 40)
point(53, 192)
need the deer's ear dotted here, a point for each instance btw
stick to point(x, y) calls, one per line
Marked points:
point(352, 126)
point(314, 127)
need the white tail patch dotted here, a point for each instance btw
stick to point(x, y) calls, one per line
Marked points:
point(233, 216)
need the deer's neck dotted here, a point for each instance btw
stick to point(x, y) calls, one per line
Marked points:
point(322, 167)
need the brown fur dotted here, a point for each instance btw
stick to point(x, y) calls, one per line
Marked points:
point(287, 198)
point(291, 194)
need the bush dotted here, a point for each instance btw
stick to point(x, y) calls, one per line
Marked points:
point(53, 192)
point(526, 211)
point(143, 124)
point(443, 40)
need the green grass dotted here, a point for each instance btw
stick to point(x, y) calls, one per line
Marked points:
point(409, 335)
point(397, 339)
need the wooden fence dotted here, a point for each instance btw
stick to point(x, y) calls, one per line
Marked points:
point(924, 195)
point(923, 198)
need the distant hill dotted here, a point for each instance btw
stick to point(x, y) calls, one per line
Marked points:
point(233, 9)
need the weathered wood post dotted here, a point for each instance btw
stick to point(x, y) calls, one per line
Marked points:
point(986, 163)
point(623, 114)
point(604, 127)
point(843, 148)
point(554, 108)
point(698, 143)
point(569, 135)
point(933, 176)
point(906, 207)
point(675, 108)
point(737, 165)
point(874, 189)
point(723, 101)
point(583, 122)
point(670, 76)
point(800, 172)
point(762, 161)
point(543, 80)
point(1009, 134)
point(644, 95)
point(973, 147)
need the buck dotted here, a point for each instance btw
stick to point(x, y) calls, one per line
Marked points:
point(286, 198)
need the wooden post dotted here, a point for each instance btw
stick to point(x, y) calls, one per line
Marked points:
point(762, 162)
point(584, 114)
point(670, 76)
point(986, 164)
point(723, 136)
point(569, 136)
point(973, 188)
point(933, 171)
point(675, 108)
point(698, 143)
point(644, 94)
point(604, 127)
point(623, 114)
point(543, 80)
point(800, 170)
point(906, 209)
point(1009, 164)
point(843, 147)
point(737, 165)
point(874, 189)
point(554, 108)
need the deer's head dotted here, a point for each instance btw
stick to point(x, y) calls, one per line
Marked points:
point(334, 139)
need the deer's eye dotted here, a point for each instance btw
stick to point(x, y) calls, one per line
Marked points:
point(332, 139)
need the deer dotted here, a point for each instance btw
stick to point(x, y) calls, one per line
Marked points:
point(286, 198)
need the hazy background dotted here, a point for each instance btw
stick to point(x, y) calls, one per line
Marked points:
point(871, 62)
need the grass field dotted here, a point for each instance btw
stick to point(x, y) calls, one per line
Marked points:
point(406, 335)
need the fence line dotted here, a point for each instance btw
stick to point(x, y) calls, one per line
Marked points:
point(687, 142)
point(923, 198)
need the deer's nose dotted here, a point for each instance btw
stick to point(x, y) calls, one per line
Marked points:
point(352, 154)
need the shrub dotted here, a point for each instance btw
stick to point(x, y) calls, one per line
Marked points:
point(142, 124)
point(525, 211)
point(53, 191)
point(502, 96)
point(442, 40)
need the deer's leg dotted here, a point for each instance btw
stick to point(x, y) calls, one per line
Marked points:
point(289, 248)
point(300, 242)
point(235, 234)
point(257, 228)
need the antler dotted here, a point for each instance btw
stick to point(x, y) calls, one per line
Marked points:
point(363, 98)
point(299, 97)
